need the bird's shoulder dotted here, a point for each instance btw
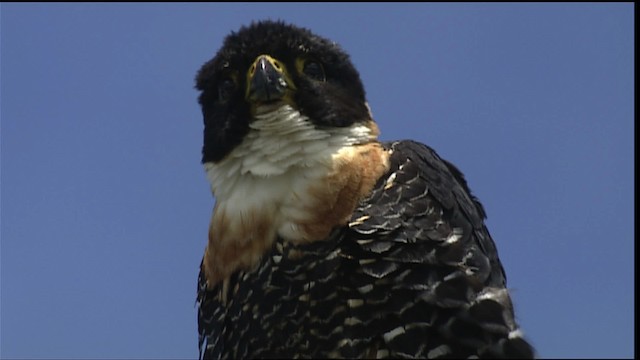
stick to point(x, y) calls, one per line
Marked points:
point(423, 203)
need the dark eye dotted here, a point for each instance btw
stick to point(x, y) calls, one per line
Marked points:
point(225, 89)
point(314, 70)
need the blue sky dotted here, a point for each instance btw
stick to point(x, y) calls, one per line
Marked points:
point(105, 205)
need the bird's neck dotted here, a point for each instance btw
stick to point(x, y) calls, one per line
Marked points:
point(289, 179)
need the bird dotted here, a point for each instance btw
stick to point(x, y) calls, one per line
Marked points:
point(324, 241)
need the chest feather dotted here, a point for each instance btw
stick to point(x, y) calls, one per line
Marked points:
point(290, 180)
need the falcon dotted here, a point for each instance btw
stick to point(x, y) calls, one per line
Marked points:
point(325, 242)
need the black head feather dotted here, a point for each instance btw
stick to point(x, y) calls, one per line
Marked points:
point(337, 101)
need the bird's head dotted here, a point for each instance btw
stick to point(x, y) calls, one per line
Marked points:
point(271, 70)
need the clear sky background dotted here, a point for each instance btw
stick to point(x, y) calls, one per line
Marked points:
point(105, 205)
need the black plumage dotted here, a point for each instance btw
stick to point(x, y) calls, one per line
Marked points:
point(413, 273)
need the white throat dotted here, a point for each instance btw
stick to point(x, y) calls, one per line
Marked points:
point(279, 159)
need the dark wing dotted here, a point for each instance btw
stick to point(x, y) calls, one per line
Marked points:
point(210, 319)
point(421, 235)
